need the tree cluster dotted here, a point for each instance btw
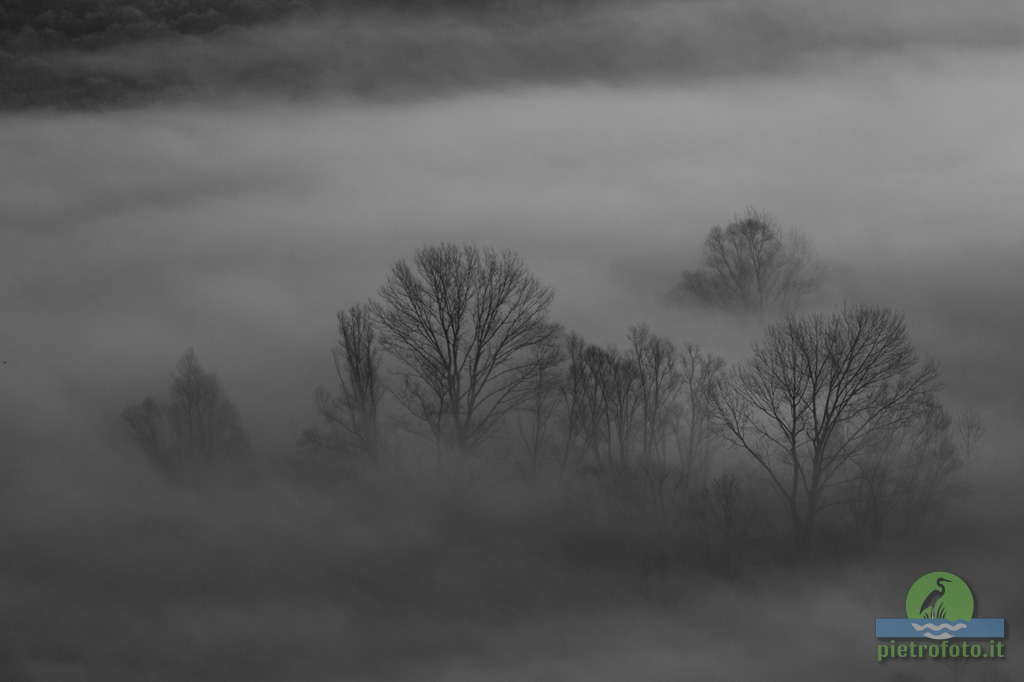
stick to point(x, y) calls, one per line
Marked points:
point(639, 418)
point(836, 414)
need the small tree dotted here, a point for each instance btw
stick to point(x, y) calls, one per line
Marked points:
point(752, 266)
point(817, 394)
point(465, 324)
point(351, 414)
point(195, 429)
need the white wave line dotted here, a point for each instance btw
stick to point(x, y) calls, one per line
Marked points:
point(936, 628)
point(944, 635)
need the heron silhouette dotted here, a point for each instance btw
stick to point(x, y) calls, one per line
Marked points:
point(932, 602)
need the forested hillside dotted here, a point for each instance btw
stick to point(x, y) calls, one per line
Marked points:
point(90, 53)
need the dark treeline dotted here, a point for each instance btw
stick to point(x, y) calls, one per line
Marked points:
point(101, 53)
point(42, 43)
point(37, 37)
point(33, 26)
point(831, 432)
point(91, 24)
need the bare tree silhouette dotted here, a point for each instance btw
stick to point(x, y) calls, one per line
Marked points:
point(465, 324)
point(752, 266)
point(536, 419)
point(817, 393)
point(351, 414)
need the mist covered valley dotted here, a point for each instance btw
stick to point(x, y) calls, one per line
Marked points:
point(236, 218)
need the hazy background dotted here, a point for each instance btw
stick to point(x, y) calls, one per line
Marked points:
point(237, 216)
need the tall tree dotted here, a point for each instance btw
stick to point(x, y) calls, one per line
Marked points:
point(584, 403)
point(816, 394)
point(659, 382)
point(351, 414)
point(694, 426)
point(465, 324)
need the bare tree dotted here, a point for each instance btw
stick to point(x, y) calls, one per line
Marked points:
point(817, 392)
point(204, 421)
point(538, 412)
point(606, 402)
point(618, 385)
point(659, 385)
point(674, 389)
point(351, 414)
point(751, 265)
point(659, 382)
point(598, 397)
point(196, 428)
point(464, 323)
point(694, 427)
point(583, 403)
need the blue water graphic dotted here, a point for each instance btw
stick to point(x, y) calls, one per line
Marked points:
point(906, 628)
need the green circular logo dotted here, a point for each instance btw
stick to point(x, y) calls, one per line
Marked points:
point(940, 596)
